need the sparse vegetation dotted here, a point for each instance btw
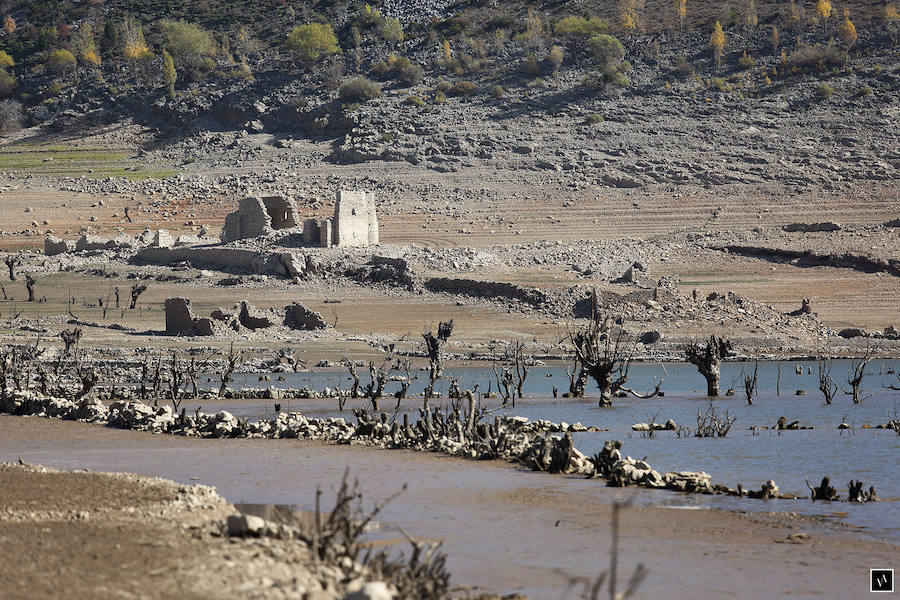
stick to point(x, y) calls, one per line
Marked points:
point(359, 90)
point(312, 43)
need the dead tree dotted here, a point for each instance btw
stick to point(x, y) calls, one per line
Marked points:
point(750, 384)
point(433, 346)
point(708, 359)
point(231, 362)
point(116, 290)
point(824, 491)
point(378, 378)
point(354, 391)
point(605, 354)
point(713, 424)
point(29, 285)
point(521, 367)
point(858, 372)
point(826, 384)
point(405, 380)
point(505, 383)
point(136, 290)
point(70, 338)
point(176, 381)
point(89, 379)
point(12, 263)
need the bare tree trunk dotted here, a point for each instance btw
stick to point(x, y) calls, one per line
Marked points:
point(708, 360)
point(29, 285)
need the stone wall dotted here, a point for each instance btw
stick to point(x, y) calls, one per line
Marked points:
point(231, 260)
point(251, 219)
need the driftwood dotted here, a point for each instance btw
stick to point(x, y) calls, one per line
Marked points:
point(708, 360)
point(823, 491)
point(712, 423)
point(855, 492)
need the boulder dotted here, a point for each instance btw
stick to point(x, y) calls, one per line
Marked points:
point(374, 590)
point(54, 245)
point(294, 266)
point(851, 332)
point(245, 525)
point(650, 337)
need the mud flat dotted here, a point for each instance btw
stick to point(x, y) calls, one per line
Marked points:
point(504, 530)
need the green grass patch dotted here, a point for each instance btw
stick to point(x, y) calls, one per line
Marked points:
point(60, 160)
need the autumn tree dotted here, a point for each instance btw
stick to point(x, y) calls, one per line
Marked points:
point(752, 17)
point(312, 42)
point(61, 61)
point(169, 73)
point(847, 30)
point(774, 39)
point(82, 42)
point(9, 25)
point(717, 43)
point(630, 15)
point(823, 10)
point(681, 10)
point(131, 34)
point(555, 56)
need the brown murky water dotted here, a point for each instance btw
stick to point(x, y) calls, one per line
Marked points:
point(504, 529)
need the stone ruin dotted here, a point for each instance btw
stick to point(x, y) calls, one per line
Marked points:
point(180, 320)
point(354, 223)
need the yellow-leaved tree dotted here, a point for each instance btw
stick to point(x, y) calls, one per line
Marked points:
point(823, 10)
point(82, 41)
point(169, 74)
point(752, 16)
point(717, 43)
point(9, 25)
point(847, 30)
point(630, 15)
point(774, 39)
point(681, 9)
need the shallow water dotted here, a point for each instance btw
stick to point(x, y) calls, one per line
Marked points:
point(744, 456)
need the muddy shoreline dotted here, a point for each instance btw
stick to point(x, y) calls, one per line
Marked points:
point(490, 515)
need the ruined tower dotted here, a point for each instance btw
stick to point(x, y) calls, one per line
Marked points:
point(355, 222)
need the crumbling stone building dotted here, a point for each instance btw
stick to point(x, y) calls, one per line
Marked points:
point(259, 216)
point(355, 222)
